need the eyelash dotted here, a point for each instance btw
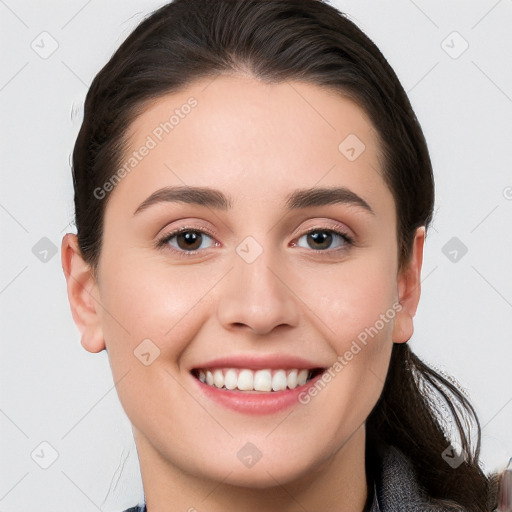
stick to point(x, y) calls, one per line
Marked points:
point(163, 241)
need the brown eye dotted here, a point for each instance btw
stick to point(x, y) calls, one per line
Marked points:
point(322, 239)
point(186, 240)
point(189, 240)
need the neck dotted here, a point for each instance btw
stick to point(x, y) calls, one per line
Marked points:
point(336, 483)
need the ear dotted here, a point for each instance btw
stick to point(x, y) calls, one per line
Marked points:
point(409, 290)
point(82, 294)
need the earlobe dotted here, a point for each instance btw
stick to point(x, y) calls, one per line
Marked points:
point(409, 290)
point(82, 294)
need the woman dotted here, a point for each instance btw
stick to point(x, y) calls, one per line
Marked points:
point(252, 194)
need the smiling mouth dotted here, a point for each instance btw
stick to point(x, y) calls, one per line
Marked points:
point(265, 380)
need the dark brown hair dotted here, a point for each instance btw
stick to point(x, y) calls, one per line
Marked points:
point(312, 42)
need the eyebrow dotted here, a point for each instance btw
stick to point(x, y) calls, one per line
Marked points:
point(212, 198)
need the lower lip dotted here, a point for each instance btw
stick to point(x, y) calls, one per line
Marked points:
point(256, 402)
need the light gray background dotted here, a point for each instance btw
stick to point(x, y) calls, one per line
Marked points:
point(53, 391)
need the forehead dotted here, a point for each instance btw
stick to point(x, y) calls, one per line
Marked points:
point(254, 139)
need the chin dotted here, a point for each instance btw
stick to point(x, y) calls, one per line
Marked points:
point(262, 477)
point(267, 472)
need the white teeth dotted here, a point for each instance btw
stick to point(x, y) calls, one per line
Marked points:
point(263, 380)
point(218, 378)
point(292, 379)
point(254, 380)
point(231, 379)
point(279, 381)
point(245, 380)
point(302, 377)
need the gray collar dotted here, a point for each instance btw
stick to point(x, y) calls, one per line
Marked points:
point(397, 489)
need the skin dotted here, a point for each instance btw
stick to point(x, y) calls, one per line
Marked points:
point(290, 300)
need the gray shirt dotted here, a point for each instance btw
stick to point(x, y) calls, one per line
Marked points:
point(396, 488)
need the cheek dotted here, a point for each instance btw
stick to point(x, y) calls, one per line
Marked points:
point(354, 311)
point(353, 306)
point(353, 297)
point(144, 299)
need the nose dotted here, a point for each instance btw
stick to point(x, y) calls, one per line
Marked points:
point(259, 296)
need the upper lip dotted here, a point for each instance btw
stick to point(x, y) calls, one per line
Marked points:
point(260, 362)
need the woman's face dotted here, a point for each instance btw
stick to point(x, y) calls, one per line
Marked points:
point(269, 275)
